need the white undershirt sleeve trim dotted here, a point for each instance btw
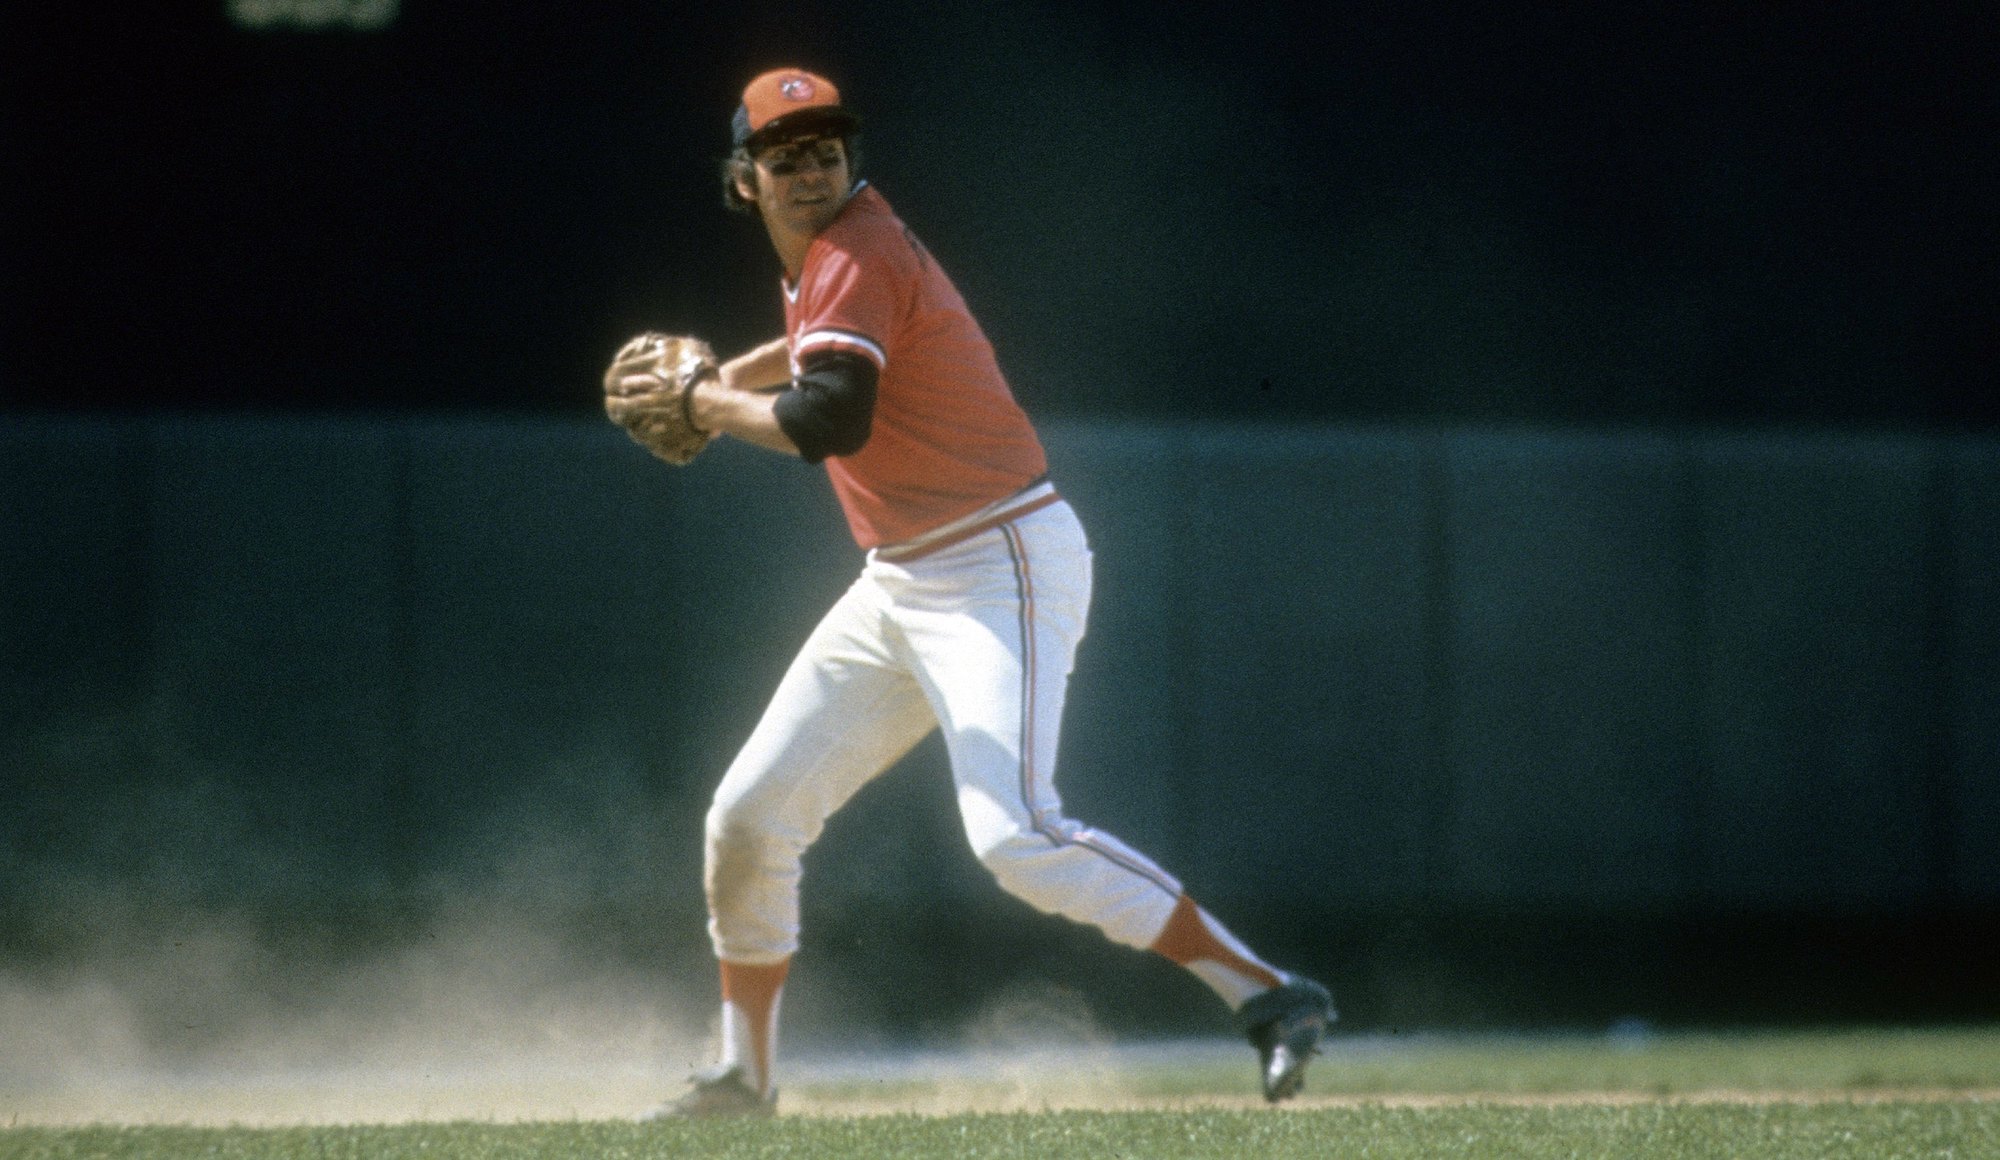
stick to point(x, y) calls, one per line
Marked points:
point(841, 340)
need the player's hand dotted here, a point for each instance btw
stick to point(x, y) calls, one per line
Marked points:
point(647, 391)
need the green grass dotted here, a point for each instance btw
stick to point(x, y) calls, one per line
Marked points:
point(1681, 1064)
point(1754, 1097)
point(1857, 1060)
point(1705, 1131)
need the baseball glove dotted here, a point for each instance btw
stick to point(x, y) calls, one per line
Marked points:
point(646, 392)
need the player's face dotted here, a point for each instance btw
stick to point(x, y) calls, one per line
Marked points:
point(802, 184)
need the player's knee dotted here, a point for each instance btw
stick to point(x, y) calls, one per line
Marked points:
point(726, 819)
point(1012, 859)
point(742, 811)
point(737, 847)
point(738, 822)
point(747, 839)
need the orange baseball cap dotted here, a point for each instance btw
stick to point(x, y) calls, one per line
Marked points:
point(790, 100)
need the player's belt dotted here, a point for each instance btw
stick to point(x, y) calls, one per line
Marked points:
point(1032, 498)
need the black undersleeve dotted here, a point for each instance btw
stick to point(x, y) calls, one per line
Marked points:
point(831, 406)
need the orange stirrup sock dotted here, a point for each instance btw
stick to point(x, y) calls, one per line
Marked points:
point(1205, 947)
point(750, 998)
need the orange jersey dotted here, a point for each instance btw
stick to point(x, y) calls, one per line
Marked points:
point(948, 437)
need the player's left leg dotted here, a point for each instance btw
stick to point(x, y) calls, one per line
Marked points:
point(990, 629)
point(993, 626)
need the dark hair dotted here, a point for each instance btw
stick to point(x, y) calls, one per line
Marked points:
point(739, 163)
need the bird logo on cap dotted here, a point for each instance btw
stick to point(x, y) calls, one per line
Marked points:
point(784, 98)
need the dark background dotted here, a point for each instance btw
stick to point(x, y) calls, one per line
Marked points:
point(1541, 465)
point(1580, 212)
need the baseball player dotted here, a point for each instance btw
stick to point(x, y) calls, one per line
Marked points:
point(965, 618)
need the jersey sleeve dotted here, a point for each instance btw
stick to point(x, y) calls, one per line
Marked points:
point(851, 298)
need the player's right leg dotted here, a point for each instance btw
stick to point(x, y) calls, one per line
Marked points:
point(844, 712)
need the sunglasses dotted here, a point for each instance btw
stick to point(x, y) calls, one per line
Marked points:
point(818, 153)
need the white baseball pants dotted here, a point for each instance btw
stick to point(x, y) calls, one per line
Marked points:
point(976, 638)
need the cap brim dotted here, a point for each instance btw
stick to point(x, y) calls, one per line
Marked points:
point(824, 119)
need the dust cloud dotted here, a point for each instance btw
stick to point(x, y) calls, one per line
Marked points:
point(486, 1022)
point(177, 949)
point(482, 1018)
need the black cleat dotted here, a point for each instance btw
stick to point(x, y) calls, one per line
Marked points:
point(1285, 1025)
point(718, 1093)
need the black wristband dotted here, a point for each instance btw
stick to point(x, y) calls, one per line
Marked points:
point(687, 395)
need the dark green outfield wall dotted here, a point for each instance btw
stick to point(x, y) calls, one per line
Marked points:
point(1417, 707)
point(1477, 627)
